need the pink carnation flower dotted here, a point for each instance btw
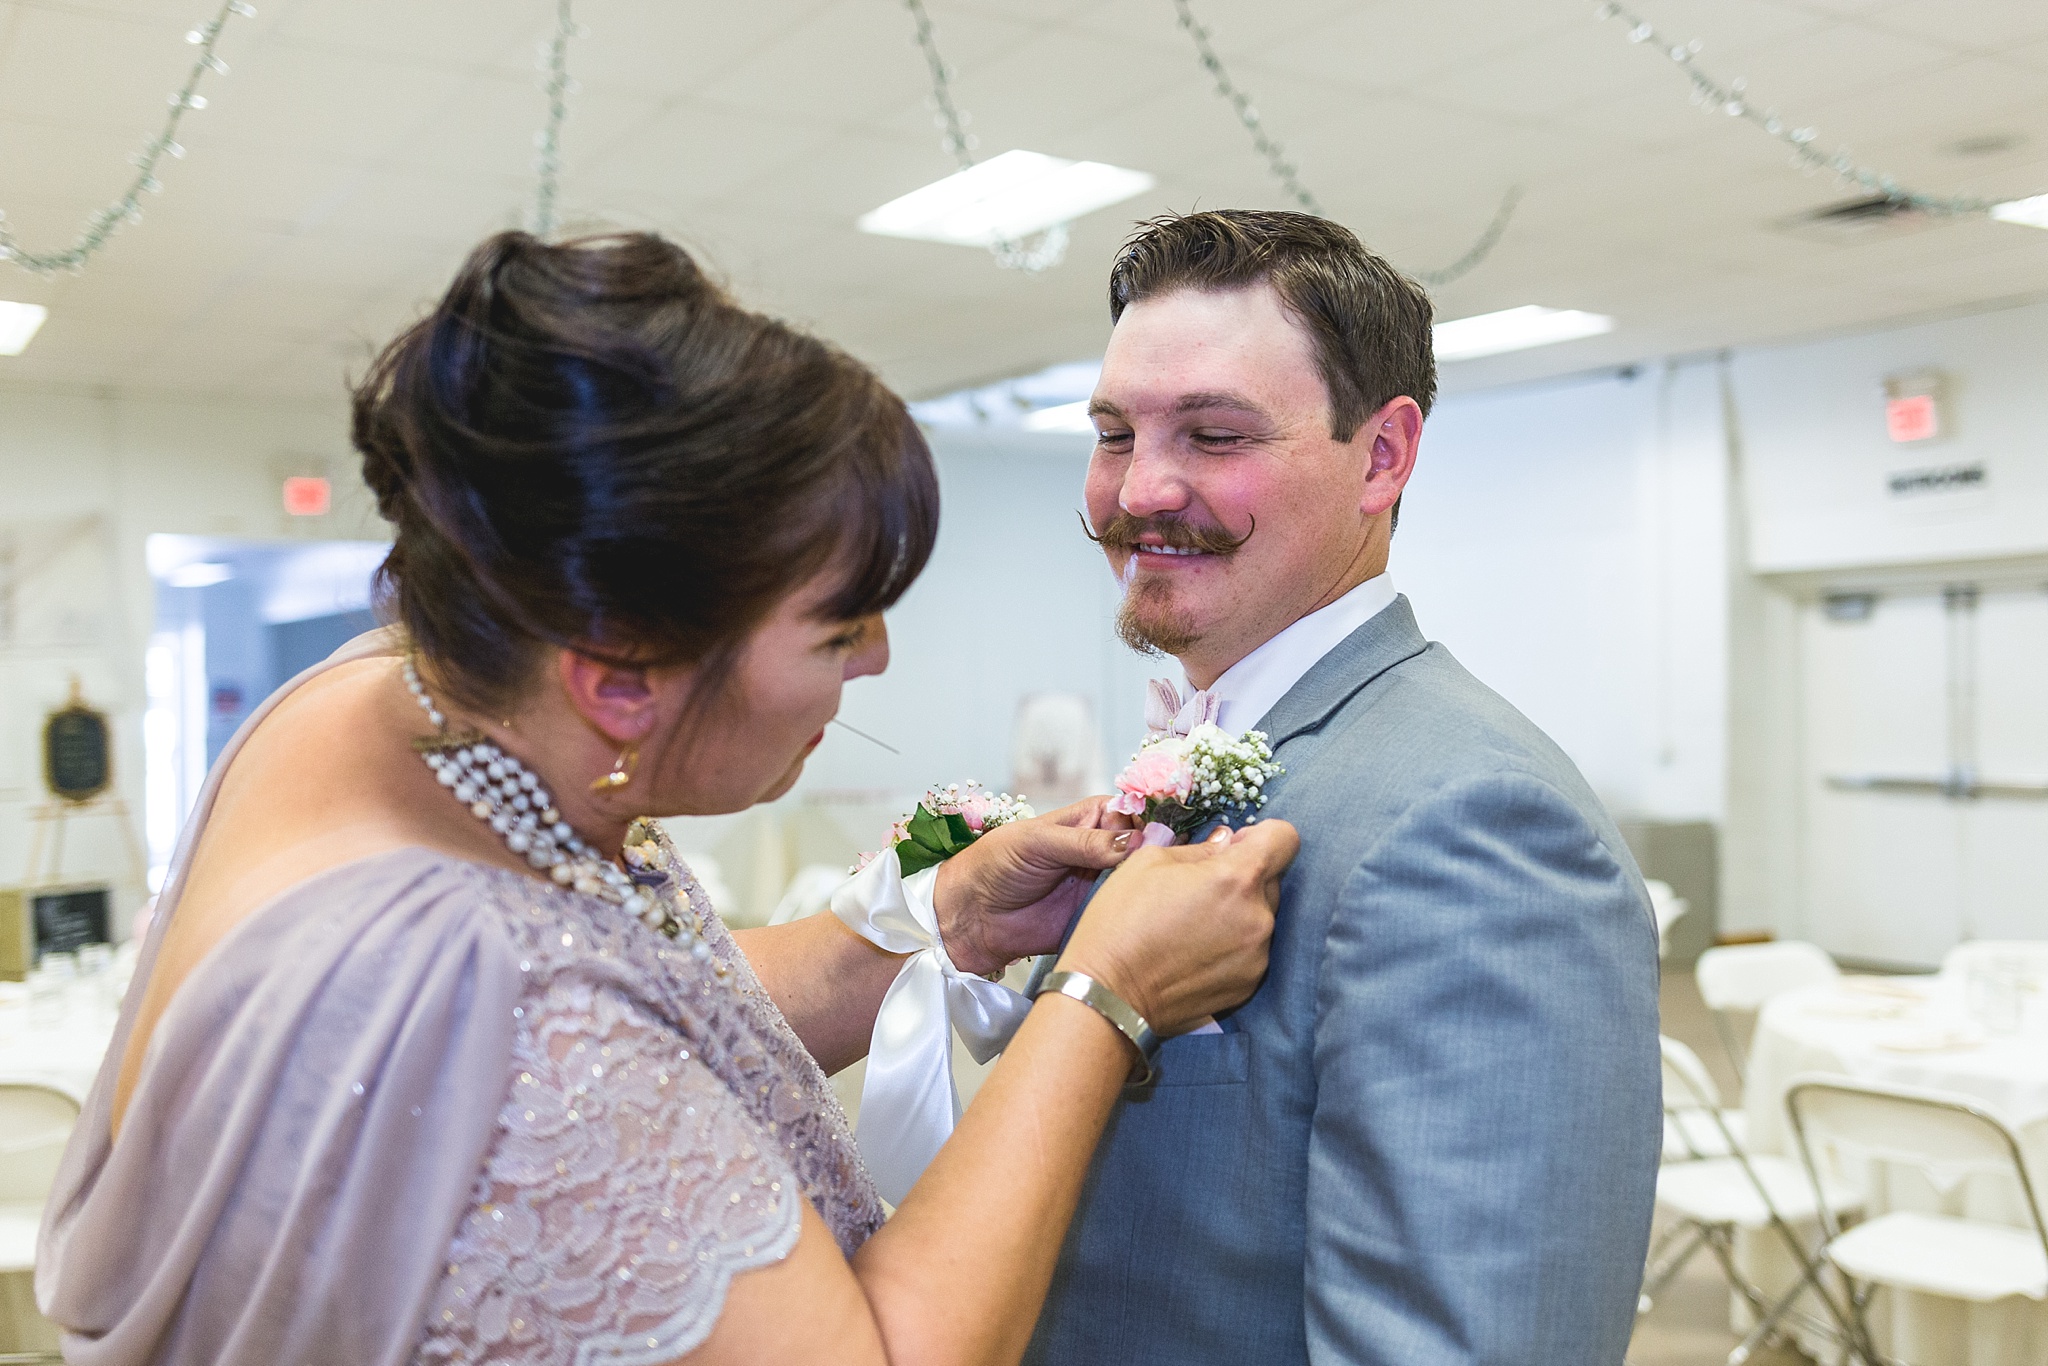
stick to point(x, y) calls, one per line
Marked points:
point(1156, 774)
point(974, 810)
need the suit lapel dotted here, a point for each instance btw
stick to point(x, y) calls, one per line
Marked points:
point(1382, 642)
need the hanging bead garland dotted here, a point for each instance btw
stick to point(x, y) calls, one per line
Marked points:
point(104, 223)
point(554, 62)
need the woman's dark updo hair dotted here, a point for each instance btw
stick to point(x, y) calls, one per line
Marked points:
point(592, 446)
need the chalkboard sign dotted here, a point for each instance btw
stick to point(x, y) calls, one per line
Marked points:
point(77, 755)
point(70, 918)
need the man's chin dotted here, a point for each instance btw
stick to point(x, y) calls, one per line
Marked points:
point(1155, 632)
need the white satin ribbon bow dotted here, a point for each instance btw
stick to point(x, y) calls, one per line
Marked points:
point(1166, 713)
point(909, 1103)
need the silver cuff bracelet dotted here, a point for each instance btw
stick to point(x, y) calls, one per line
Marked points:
point(1112, 1008)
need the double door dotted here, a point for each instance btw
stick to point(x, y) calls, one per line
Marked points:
point(1924, 769)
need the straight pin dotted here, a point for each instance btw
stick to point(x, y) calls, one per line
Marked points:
point(867, 737)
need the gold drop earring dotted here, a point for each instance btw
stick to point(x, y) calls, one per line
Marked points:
point(622, 771)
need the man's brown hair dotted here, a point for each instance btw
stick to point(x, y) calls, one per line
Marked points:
point(1370, 323)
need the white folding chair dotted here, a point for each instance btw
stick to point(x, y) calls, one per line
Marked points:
point(1691, 1135)
point(35, 1123)
point(1745, 976)
point(1668, 908)
point(1946, 1136)
point(1710, 1198)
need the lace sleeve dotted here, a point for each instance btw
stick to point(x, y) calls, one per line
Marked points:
point(624, 1189)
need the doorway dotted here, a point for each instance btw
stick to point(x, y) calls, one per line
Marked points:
point(1925, 769)
point(234, 621)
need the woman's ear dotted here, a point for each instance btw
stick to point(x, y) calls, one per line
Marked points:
point(1394, 433)
point(619, 702)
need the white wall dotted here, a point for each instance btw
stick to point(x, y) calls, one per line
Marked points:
point(1819, 461)
point(1568, 542)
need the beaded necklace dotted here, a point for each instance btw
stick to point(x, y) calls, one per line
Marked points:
point(508, 796)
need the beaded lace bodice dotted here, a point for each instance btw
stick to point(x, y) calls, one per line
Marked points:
point(660, 1126)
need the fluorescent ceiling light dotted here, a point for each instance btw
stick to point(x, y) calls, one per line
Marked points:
point(1067, 417)
point(1005, 198)
point(204, 574)
point(2031, 213)
point(1515, 329)
point(18, 323)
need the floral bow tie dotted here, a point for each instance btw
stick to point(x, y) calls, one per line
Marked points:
point(1167, 713)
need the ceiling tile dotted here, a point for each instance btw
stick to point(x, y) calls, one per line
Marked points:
point(1984, 26)
point(854, 62)
point(98, 69)
point(1393, 45)
point(697, 152)
point(445, 37)
point(1797, 73)
point(2033, 56)
point(670, 49)
point(1910, 124)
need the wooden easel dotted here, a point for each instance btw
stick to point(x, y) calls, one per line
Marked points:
point(49, 822)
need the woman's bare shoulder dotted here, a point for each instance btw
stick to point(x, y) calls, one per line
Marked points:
point(327, 778)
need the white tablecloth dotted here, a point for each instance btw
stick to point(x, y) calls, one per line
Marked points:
point(1912, 1031)
point(56, 1042)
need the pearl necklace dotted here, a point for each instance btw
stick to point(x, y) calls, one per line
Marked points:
point(507, 796)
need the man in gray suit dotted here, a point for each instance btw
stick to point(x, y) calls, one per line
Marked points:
point(1432, 1136)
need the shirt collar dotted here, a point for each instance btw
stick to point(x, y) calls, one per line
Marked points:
point(1249, 688)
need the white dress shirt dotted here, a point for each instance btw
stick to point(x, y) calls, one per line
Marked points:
point(1249, 688)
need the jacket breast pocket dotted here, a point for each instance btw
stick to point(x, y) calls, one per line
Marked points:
point(1205, 1060)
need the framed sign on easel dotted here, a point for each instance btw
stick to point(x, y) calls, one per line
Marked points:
point(45, 913)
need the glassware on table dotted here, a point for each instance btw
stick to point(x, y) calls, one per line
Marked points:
point(14, 998)
point(1994, 994)
point(94, 959)
point(49, 990)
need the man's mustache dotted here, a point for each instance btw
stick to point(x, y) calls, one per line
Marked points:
point(1124, 531)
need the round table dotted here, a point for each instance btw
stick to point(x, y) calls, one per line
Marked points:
point(58, 1040)
point(1916, 1032)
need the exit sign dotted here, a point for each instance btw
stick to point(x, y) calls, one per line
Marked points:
point(1911, 417)
point(307, 495)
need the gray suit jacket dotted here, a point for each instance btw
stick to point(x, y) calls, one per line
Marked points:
point(1431, 1137)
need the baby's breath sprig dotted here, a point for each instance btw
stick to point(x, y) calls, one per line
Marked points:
point(1183, 782)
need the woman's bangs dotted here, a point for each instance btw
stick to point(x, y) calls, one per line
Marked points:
point(887, 510)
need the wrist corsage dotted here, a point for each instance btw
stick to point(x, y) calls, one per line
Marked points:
point(1178, 783)
point(909, 1101)
point(947, 820)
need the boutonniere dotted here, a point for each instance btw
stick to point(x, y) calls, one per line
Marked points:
point(1177, 783)
point(947, 820)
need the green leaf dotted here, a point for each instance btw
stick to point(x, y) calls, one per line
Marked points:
point(929, 832)
point(931, 839)
point(912, 857)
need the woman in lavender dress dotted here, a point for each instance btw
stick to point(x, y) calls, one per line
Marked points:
point(437, 1054)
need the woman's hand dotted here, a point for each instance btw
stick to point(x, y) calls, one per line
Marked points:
point(1182, 932)
point(1013, 892)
